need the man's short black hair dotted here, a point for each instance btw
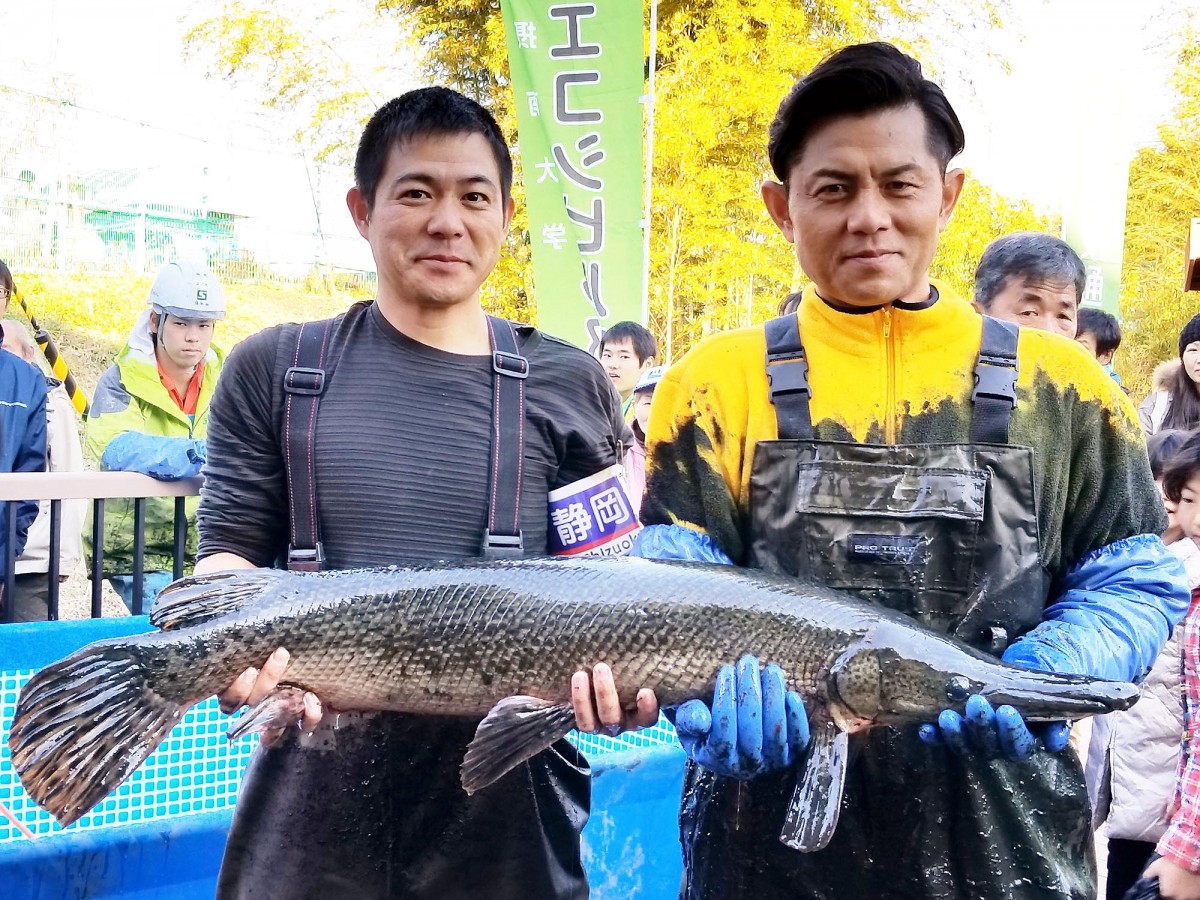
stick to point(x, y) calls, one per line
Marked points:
point(419, 113)
point(854, 81)
point(1030, 255)
point(639, 337)
point(1181, 467)
point(1102, 326)
point(6, 279)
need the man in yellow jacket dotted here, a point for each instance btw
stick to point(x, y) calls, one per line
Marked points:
point(150, 415)
point(887, 440)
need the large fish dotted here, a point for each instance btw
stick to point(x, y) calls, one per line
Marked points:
point(500, 641)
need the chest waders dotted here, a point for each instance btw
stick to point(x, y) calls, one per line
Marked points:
point(370, 806)
point(945, 533)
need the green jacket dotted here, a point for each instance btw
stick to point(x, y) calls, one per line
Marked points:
point(130, 397)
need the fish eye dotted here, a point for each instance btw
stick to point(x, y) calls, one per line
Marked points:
point(958, 689)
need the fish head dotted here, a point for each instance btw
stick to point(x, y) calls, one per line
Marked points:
point(881, 685)
point(893, 678)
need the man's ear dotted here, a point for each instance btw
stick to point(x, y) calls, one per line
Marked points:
point(359, 210)
point(154, 322)
point(952, 187)
point(979, 307)
point(509, 209)
point(1105, 358)
point(775, 198)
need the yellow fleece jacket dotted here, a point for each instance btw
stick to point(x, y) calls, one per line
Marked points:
point(901, 375)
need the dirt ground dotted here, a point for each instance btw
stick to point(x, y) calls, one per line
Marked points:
point(75, 598)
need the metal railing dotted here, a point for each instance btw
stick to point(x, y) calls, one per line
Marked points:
point(97, 487)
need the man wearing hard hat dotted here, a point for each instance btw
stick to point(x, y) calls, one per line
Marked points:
point(150, 415)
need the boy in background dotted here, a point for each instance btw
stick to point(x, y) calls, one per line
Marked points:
point(626, 351)
point(1100, 334)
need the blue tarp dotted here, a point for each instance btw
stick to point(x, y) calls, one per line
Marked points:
point(631, 846)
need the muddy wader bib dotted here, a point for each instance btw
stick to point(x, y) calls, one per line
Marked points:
point(946, 533)
point(370, 806)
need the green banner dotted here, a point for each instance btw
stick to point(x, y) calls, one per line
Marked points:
point(578, 76)
point(1094, 223)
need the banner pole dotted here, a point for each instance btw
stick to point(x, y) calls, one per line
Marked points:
point(649, 100)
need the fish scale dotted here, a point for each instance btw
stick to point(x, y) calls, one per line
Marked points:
point(499, 642)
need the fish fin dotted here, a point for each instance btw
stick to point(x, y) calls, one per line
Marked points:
point(817, 802)
point(83, 724)
point(516, 729)
point(199, 598)
point(282, 708)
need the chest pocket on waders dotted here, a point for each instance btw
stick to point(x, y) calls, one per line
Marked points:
point(946, 533)
point(880, 522)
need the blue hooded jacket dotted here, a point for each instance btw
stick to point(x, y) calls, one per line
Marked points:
point(22, 439)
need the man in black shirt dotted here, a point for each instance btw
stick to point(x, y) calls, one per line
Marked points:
point(403, 469)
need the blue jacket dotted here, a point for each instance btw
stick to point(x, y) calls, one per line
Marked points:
point(22, 439)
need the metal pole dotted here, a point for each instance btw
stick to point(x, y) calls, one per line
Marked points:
point(10, 563)
point(646, 203)
point(139, 552)
point(97, 557)
point(55, 547)
point(180, 537)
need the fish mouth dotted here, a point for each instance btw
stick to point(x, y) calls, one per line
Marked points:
point(1048, 697)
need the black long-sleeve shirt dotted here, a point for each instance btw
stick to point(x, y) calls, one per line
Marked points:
point(402, 449)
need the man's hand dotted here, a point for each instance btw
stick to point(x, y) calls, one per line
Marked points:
point(1174, 881)
point(598, 706)
point(253, 685)
point(993, 732)
point(755, 726)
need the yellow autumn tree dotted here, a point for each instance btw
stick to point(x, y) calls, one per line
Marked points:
point(1164, 195)
point(716, 259)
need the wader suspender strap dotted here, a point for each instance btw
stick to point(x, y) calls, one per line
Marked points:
point(787, 375)
point(303, 384)
point(995, 394)
point(502, 538)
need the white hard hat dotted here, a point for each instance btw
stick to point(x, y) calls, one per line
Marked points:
point(650, 379)
point(188, 291)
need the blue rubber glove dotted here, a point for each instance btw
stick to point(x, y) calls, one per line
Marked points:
point(678, 542)
point(755, 726)
point(994, 732)
point(164, 458)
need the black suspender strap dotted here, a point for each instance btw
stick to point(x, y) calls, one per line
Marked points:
point(502, 538)
point(303, 384)
point(995, 394)
point(787, 375)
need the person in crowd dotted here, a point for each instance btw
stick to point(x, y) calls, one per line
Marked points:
point(1100, 334)
point(793, 447)
point(400, 466)
point(1177, 405)
point(1176, 864)
point(150, 415)
point(64, 453)
point(1133, 756)
point(635, 455)
point(627, 350)
point(22, 433)
point(1033, 280)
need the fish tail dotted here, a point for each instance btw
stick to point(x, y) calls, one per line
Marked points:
point(83, 724)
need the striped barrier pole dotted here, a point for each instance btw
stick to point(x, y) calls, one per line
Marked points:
point(58, 365)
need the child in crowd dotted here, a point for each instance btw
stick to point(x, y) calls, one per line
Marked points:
point(635, 456)
point(1133, 756)
point(626, 352)
point(1177, 867)
point(1100, 333)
